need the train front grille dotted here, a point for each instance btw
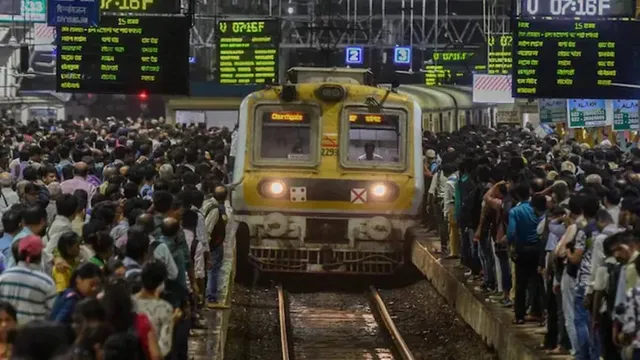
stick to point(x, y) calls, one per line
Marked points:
point(327, 231)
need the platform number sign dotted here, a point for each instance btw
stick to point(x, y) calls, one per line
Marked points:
point(354, 55)
point(402, 55)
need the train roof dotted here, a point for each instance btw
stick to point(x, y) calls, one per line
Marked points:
point(300, 75)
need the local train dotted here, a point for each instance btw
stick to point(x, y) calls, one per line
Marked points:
point(332, 171)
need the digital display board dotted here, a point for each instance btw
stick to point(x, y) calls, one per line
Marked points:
point(373, 119)
point(125, 55)
point(576, 59)
point(141, 6)
point(247, 51)
point(500, 60)
point(447, 66)
point(286, 117)
point(578, 8)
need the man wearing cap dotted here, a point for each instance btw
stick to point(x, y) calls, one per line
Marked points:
point(25, 286)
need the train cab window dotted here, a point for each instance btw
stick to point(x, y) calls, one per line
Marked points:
point(286, 135)
point(374, 138)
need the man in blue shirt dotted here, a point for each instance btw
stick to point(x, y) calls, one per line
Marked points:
point(522, 236)
point(11, 223)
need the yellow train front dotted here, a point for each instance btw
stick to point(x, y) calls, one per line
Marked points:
point(332, 176)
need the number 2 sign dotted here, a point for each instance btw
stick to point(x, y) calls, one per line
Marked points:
point(354, 55)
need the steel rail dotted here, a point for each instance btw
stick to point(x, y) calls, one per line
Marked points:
point(282, 315)
point(401, 346)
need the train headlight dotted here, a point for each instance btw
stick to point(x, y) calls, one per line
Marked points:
point(276, 188)
point(273, 188)
point(379, 190)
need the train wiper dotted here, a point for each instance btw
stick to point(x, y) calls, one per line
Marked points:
point(374, 105)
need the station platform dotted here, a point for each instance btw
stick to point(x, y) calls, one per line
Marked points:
point(209, 343)
point(490, 320)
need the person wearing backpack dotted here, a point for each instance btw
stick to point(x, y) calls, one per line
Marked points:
point(216, 223)
point(605, 283)
point(580, 255)
point(498, 200)
point(196, 248)
point(176, 291)
point(137, 252)
point(163, 203)
point(522, 235)
point(134, 337)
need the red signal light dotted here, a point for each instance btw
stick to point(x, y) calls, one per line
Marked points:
point(143, 96)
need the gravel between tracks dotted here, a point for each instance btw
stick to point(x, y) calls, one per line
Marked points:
point(254, 331)
point(430, 327)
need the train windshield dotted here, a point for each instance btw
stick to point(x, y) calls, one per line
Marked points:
point(285, 135)
point(374, 138)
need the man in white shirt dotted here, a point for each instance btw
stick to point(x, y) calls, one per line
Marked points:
point(369, 153)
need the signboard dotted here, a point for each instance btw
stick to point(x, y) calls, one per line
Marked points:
point(125, 55)
point(500, 60)
point(508, 114)
point(552, 110)
point(141, 6)
point(625, 115)
point(576, 59)
point(447, 66)
point(354, 55)
point(23, 10)
point(247, 51)
point(286, 117)
point(584, 113)
point(582, 8)
point(373, 119)
point(494, 89)
point(402, 55)
point(436, 75)
point(73, 12)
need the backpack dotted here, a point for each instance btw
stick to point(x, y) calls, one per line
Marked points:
point(572, 269)
point(124, 345)
point(219, 231)
point(435, 169)
point(133, 276)
point(193, 249)
point(612, 286)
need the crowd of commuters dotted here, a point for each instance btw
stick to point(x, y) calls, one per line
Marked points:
point(548, 226)
point(113, 237)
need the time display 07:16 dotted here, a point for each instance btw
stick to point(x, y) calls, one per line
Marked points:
point(145, 6)
point(571, 8)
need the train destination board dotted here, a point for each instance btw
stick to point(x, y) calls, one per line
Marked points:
point(578, 8)
point(576, 59)
point(373, 119)
point(500, 60)
point(247, 51)
point(286, 116)
point(125, 55)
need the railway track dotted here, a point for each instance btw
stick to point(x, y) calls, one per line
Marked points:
point(328, 326)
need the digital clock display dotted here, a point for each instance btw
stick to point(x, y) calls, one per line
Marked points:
point(576, 59)
point(141, 6)
point(449, 66)
point(247, 51)
point(125, 55)
point(573, 8)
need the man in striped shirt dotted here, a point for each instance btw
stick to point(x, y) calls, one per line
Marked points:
point(25, 286)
